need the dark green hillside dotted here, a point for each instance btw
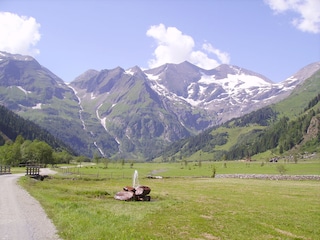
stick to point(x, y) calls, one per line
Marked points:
point(293, 123)
point(283, 136)
point(300, 98)
point(12, 125)
point(230, 140)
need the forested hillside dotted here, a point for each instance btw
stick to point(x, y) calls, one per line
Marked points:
point(283, 135)
point(12, 125)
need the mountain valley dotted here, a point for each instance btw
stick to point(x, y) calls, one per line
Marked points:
point(135, 113)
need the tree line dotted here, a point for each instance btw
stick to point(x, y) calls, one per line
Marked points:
point(12, 125)
point(313, 102)
point(26, 152)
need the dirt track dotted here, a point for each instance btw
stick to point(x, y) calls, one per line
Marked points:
point(21, 216)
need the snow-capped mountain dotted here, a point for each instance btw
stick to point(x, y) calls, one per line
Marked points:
point(174, 100)
point(135, 113)
point(224, 92)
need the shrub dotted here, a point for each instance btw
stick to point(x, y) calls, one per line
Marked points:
point(281, 169)
point(214, 170)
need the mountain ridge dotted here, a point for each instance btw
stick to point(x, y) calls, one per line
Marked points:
point(135, 113)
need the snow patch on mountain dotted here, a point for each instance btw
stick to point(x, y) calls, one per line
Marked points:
point(162, 90)
point(236, 84)
point(291, 79)
point(23, 90)
point(80, 106)
point(103, 123)
point(129, 72)
point(102, 120)
point(37, 106)
point(99, 149)
point(153, 77)
point(156, 86)
point(191, 101)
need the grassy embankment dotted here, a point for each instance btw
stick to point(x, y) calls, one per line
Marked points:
point(82, 206)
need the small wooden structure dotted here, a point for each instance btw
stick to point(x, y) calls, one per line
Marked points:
point(5, 169)
point(34, 172)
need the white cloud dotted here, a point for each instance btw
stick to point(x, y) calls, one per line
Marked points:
point(222, 56)
point(175, 47)
point(19, 34)
point(308, 11)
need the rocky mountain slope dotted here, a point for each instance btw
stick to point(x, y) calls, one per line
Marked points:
point(35, 93)
point(134, 113)
point(224, 92)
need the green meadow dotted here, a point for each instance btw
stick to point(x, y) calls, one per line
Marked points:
point(187, 203)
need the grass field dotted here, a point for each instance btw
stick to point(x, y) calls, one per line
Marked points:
point(82, 206)
point(192, 169)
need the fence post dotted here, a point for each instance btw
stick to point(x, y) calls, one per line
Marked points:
point(5, 169)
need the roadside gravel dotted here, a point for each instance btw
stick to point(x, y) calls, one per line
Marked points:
point(22, 217)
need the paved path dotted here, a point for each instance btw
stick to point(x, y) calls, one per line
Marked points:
point(21, 216)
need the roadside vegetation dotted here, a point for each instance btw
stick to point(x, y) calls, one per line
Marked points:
point(186, 203)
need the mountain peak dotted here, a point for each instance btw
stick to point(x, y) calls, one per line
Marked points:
point(17, 57)
point(306, 71)
point(134, 70)
point(86, 75)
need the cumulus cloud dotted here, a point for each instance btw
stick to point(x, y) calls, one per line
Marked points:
point(19, 34)
point(307, 10)
point(175, 47)
point(222, 56)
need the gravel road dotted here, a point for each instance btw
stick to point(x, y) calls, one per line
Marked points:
point(21, 216)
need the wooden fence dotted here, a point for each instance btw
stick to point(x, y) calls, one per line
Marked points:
point(32, 170)
point(5, 169)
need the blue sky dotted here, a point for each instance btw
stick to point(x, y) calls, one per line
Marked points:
point(272, 37)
